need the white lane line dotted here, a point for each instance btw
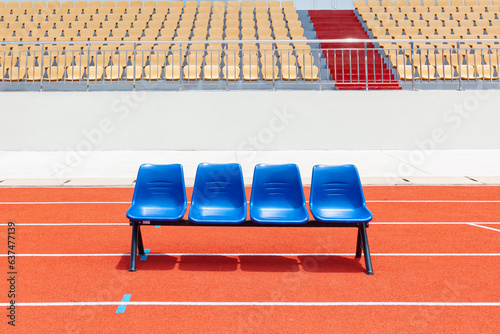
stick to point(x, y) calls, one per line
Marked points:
point(326, 226)
point(189, 202)
point(432, 223)
point(180, 303)
point(486, 227)
point(48, 203)
point(70, 224)
point(255, 254)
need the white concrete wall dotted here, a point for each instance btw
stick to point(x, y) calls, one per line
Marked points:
point(249, 120)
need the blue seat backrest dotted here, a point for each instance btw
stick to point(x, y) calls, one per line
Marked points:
point(275, 188)
point(161, 185)
point(336, 187)
point(218, 191)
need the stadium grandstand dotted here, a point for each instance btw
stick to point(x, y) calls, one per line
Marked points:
point(199, 166)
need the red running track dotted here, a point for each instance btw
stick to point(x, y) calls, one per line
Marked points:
point(434, 270)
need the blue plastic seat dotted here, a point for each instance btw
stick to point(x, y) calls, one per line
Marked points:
point(218, 195)
point(337, 195)
point(159, 194)
point(277, 195)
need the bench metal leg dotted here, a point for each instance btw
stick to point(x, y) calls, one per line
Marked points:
point(139, 240)
point(359, 244)
point(133, 250)
point(366, 250)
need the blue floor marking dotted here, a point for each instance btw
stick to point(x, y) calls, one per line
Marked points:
point(121, 308)
point(145, 256)
point(157, 226)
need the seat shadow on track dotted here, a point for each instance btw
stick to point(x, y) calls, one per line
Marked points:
point(247, 263)
point(152, 263)
point(208, 263)
point(331, 264)
point(268, 264)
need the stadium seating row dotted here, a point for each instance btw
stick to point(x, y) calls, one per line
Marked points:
point(151, 25)
point(168, 72)
point(139, 4)
point(277, 199)
point(434, 22)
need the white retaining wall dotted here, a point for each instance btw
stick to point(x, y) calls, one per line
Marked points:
point(249, 120)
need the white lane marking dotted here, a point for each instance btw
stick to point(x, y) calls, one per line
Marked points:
point(70, 224)
point(48, 203)
point(127, 224)
point(326, 226)
point(486, 227)
point(254, 254)
point(189, 202)
point(180, 303)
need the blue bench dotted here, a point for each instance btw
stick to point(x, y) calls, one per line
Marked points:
point(277, 199)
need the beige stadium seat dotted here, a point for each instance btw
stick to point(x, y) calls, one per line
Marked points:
point(309, 73)
point(205, 4)
point(426, 72)
point(172, 72)
point(74, 73)
point(55, 73)
point(161, 4)
point(158, 59)
point(69, 4)
point(94, 73)
point(16, 73)
point(486, 72)
point(467, 72)
point(133, 72)
point(474, 59)
point(250, 72)
point(195, 59)
point(213, 57)
point(153, 72)
point(492, 59)
point(248, 60)
point(35, 73)
point(397, 59)
point(82, 59)
point(270, 72)
point(446, 72)
point(113, 73)
point(192, 72)
point(406, 72)
point(289, 71)
point(211, 72)
point(231, 72)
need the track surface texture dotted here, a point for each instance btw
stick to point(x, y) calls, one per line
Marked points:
point(435, 253)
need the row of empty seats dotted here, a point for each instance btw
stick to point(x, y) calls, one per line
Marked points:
point(125, 65)
point(151, 25)
point(419, 3)
point(277, 198)
point(433, 22)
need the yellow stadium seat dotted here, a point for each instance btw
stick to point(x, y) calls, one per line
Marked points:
point(446, 72)
point(113, 73)
point(426, 72)
point(75, 73)
point(133, 72)
point(172, 72)
point(55, 73)
point(16, 74)
point(153, 72)
point(486, 72)
point(94, 73)
point(289, 72)
point(35, 73)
